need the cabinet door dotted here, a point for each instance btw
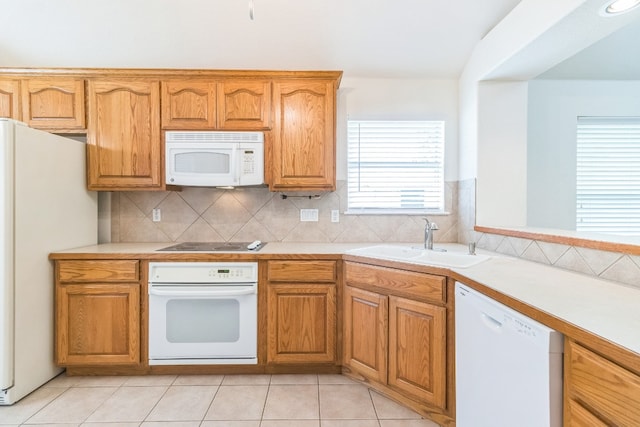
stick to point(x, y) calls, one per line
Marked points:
point(244, 104)
point(304, 145)
point(98, 324)
point(301, 323)
point(604, 387)
point(417, 349)
point(579, 416)
point(188, 105)
point(124, 142)
point(54, 103)
point(9, 99)
point(365, 333)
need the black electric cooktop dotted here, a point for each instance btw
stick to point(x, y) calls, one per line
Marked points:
point(213, 247)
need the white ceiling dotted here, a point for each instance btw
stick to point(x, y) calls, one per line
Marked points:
point(375, 38)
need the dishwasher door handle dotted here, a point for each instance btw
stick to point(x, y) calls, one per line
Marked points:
point(197, 292)
point(491, 322)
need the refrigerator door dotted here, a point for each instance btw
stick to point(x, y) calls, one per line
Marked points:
point(52, 211)
point(6, 254)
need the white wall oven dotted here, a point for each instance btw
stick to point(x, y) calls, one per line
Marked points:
point(203, 313)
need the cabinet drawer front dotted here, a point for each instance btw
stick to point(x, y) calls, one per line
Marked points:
point(399, 282)
point(102, 271)
point(603, 387)
point(302, 271)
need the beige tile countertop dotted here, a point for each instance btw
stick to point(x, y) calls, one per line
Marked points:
point(607, 309)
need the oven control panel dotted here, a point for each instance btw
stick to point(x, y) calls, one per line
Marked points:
point(202, 272)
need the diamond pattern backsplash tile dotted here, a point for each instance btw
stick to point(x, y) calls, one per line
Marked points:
point(207, 214)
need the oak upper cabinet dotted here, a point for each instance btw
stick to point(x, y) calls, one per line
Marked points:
point(10, 98)
point(209, 105)
point(395, 330)
point(598, 391)
point(304, 143)
point(54, 103)
point(301, 312)
point(244, 105)
point(97, 319)
point(124, 139)
point(189, 104)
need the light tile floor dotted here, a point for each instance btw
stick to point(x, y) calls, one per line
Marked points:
point(208, 401)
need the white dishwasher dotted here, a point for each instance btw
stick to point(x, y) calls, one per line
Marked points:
point(508, 366)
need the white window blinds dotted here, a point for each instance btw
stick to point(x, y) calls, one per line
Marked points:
point(608, 175)
point(395, 166)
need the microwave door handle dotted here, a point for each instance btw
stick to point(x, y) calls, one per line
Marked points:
point(237, 163)
point(179, 291)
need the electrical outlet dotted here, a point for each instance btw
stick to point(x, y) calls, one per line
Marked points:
point(156, 215)
point(309, 215)
point(335, 215)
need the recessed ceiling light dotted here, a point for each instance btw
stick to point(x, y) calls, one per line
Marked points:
point(616, 7)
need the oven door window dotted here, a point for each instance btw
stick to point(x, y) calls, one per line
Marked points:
point(200, 320)
point(203, 162)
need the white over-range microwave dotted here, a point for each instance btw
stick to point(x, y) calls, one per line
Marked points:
point(214, 158)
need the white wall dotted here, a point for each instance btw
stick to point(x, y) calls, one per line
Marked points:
point(554, 106)
point(399, 99)
point(502, 154)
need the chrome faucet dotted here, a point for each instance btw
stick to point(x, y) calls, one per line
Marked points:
point(429, 228)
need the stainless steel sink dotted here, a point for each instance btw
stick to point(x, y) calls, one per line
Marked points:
point(416, 255)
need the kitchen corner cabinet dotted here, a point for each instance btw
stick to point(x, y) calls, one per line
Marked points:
point(10, 98)
point(304, 142)
point(597, 390)
point(301, 312)
point(124, 137)
point(395, 330)
point(97, 320)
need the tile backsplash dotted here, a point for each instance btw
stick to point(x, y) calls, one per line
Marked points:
point(246, 214)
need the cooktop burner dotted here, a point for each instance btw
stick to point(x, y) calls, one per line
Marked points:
point(213, 247)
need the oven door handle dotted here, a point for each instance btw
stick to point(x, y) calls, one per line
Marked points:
point(180, 291)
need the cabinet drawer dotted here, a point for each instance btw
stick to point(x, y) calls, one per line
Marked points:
point(398, 282)
point(98, 271)
point(302, 271)
point(606, 389)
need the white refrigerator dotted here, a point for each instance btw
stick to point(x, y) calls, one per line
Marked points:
point(44, 207)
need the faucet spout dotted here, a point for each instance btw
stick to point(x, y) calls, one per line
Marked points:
point(429, 228)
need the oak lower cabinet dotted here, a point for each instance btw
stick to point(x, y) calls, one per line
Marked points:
point(597, 390)
point(123, 138)
point(303, 153)
point(395, 324)
point(301, 312)
point(97, 320)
